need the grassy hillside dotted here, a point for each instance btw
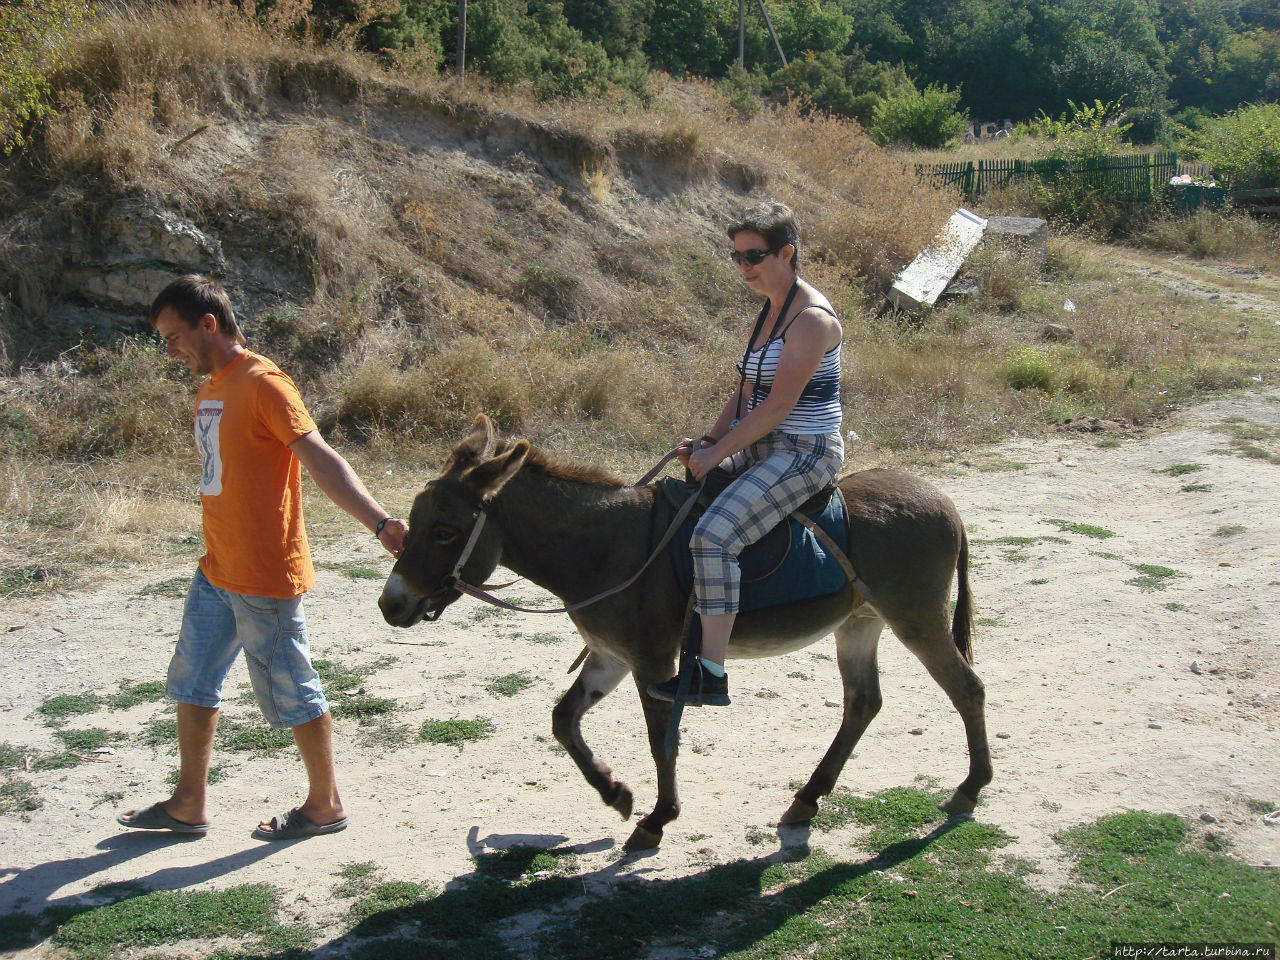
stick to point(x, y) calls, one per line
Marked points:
point(415, 251)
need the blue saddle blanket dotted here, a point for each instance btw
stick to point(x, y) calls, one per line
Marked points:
point(770, 578)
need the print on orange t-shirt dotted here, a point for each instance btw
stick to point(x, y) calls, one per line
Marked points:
point(247, 414)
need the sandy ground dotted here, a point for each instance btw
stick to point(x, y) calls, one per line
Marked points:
point(1102, 696)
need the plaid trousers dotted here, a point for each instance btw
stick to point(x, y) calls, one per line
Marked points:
point(779, 472)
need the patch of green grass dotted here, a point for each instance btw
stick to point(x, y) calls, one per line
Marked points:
point(544, 638)
point(1000, 465)
point(1038, 582)
point(355, 878)
point(1084, 529)
point(509, 684)
point(455, 731)
point(177, 587)
point(756, 836)
point(217, 773)
point(20, 797)
point(798, 675)
point(482, 614)
point(133, 694)
point(386, 897)
point(988, 621)
point(161, 732)
point(1260, 807)
point(57, 710)
point(252, 736)
point(245, 912)
point(1255, 452)
point(1153, 576)
point(86, 741)
point(1230, 530)
point(339, 678)
point(522, 862)
point(1176, 607)
point(361, 707)
point(1195, 488)
point(1109, 443)
point(386, 736)
point(1181, 469)
point(18, 580)
point(362, 573)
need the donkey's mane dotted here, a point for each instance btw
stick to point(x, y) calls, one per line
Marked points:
point(544, 462)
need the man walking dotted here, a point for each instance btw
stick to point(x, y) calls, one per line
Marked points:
point(254, 435)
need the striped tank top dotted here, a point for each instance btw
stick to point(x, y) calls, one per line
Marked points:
point(818, 409)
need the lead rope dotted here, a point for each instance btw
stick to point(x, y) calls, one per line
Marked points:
point(457, 583)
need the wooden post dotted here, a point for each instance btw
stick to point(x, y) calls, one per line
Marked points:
point(773, 33)
point(462, 38)
point(742, 34)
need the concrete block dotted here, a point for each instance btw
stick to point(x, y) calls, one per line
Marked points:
point(1028, 235)
point(922, 281)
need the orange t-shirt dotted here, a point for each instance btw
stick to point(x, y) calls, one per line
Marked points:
point(247, 414)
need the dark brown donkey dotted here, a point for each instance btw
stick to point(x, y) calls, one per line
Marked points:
point(577, 532)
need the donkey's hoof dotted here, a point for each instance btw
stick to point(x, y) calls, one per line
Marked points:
point(622, 801)
point(642, 839)
point(800, 811)
point(959, 804)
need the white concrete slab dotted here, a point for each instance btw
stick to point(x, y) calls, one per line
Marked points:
point(922, 281)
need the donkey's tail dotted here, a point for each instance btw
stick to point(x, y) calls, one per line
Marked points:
point(962, 620)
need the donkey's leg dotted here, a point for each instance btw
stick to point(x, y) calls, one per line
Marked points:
point(657, 716)
point(599, 675)
point(856, 642)
point(928, 636)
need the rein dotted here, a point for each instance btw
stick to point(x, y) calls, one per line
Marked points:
point(454, 580)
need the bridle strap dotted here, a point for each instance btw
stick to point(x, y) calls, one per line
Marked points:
point(457, 583)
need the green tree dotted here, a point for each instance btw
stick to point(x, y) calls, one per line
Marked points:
point(692, 36)
point(620, 26)
point(851, 85)
point(34, 41)
point(1100, 68)
point(928, 118)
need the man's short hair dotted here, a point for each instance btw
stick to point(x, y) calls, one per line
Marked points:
point(194, 295)
point(775, 222)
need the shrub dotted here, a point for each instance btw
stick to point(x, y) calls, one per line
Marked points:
point(34, 38)
point(927, 118)
point(1243, 147)
point(1030, 369)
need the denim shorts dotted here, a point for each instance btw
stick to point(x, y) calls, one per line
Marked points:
point(217, 624)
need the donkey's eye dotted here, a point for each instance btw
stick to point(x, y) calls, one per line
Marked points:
point(443, 535)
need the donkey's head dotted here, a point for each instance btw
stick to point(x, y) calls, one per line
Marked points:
point(447, 536)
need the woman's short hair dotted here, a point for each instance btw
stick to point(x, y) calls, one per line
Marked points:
point(194, 295)
point(775, 222)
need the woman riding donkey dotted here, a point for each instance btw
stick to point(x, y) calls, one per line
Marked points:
point(780, 430)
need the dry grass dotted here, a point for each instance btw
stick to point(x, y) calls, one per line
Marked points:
point(567, 277)
point(1215, 235)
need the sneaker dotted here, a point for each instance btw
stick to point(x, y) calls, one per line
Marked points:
point(706, 689)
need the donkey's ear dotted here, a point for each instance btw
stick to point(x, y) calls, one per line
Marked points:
point(487, 478)
point(477, 445)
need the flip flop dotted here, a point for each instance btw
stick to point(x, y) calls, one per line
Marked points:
point(155, 817)
point(294, 826)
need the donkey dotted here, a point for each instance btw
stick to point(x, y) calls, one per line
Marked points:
point(578, 531)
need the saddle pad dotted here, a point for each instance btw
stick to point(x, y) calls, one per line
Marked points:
point(771, 577)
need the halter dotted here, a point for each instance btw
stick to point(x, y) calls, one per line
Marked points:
point(454, 580)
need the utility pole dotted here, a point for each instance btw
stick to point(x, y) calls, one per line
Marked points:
point(742, 33)
point(773, 33)
point(462, 38)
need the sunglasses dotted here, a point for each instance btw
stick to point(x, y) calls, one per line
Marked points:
point(752, 258)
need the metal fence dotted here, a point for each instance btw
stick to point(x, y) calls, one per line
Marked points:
point(1137, 176)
